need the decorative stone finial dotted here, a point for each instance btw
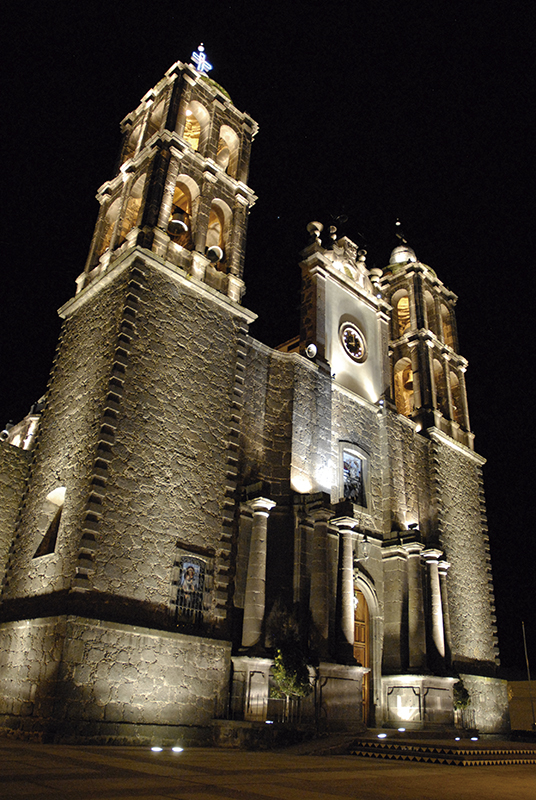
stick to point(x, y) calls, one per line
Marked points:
point(315, 229)
point(200, 60)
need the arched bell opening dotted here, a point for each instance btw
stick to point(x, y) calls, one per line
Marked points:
point(441, 389)
point(457, 400)
point(446, 321)
point(403, 385)
point(180, 224)
point(132, 140)
point(110, 218)
point(218, 233)
point(131, 214)
point(156, 117)
point(431, 317)
point(401, 315)
point(227, 154)
point(195, 125)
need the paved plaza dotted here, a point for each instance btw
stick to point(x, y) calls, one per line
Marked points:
point(62, 772)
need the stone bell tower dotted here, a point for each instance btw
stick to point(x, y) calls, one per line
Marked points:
point(122, 547)
point(428, 373)
point(181, 186)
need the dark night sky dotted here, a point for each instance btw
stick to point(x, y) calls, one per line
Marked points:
point(377, 110)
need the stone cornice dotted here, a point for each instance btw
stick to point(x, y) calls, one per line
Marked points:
point(441, 438)
point(174, 273)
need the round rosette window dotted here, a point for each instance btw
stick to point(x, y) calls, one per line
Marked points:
point(353, 342)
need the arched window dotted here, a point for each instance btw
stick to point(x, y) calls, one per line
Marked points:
point(52, 512)
point(219, 226)
point(196, 125)
point(227, 155)
point(446, 319)
point(431, 321)
point(456, 395)
point(109, 223)
point(180, 225)
point(132, 210)
point(441, 388)
point(403, 381)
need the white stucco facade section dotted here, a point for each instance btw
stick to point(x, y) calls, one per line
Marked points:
point(348, 305)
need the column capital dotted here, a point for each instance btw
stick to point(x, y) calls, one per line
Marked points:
point(344, 524)
point(443, 567)
point(432, 555)
point(261, 505)
point(321, 514)
point(413, 548)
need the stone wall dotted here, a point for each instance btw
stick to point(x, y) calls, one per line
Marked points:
point(68, 678)
point(458, 481)
point(357, 422)
point(312, 461)
point(66, 444)
point(266, 431)
point(14, 464)
point(167, 473)
point(409, 491)
point(489, 703)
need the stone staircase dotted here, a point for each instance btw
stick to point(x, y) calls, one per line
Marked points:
point(463, 754)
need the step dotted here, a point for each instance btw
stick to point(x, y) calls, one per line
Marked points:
point(463, 754)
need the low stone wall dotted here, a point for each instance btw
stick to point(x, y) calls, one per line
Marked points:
point(73, 679)
point(489, 703)
point(522, 701)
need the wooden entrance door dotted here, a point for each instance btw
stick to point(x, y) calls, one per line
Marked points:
point(362, 647)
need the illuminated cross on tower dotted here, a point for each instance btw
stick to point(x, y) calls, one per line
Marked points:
point(200, 60)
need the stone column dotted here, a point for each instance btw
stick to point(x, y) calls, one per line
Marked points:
point(346, 526)
point(438, 634)
point(442, 569)
point(255, 596)
point(463, 395)
point(319, 594)
point(237, 235)
point(416, 627)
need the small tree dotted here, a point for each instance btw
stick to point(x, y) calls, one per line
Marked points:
point(290, 671)
point(461, 697)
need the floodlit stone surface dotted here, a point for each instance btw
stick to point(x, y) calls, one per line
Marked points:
point(194, 496)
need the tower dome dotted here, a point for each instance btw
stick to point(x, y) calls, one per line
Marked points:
point(402, 254)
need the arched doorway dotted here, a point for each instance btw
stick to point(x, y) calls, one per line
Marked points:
point(362, 646)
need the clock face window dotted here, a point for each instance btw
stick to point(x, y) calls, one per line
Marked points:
point(353, 342)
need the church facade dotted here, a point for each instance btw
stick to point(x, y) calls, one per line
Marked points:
point(183, 492)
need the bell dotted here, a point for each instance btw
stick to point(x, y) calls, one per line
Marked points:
point(407, 380)
point(214, 254)
point(177, 224)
